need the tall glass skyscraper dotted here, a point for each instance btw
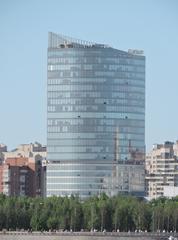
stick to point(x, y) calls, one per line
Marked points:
point(96, 115)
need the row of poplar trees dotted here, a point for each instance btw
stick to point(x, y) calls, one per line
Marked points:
point(126, 213)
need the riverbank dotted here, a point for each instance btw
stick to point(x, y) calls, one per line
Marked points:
point(84, 236)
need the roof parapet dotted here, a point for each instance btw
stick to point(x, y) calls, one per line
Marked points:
point(62, 41)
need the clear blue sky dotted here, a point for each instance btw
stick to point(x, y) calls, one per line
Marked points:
point(151, 25)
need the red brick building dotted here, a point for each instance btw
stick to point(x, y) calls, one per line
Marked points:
point(22, 176)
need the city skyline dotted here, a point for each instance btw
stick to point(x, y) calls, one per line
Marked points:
point(139, 25)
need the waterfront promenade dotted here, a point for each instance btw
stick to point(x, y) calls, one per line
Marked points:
point(10, 235)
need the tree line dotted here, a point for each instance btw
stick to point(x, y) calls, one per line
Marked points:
point(123, 213)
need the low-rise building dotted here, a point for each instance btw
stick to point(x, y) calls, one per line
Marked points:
point(170, 191)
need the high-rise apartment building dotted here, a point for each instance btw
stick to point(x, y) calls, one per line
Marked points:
point(96, 116)
point(22, 176)
point(23, 170)
point(162, 170)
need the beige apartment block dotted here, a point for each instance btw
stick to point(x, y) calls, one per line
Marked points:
point(32, 150)
point(161, 169)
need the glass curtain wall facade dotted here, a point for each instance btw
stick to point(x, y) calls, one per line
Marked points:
point(96, 114)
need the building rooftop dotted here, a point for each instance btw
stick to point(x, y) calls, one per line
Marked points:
point(62, 41)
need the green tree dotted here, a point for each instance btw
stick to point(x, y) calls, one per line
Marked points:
point(65, 215)
point(105, 212)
